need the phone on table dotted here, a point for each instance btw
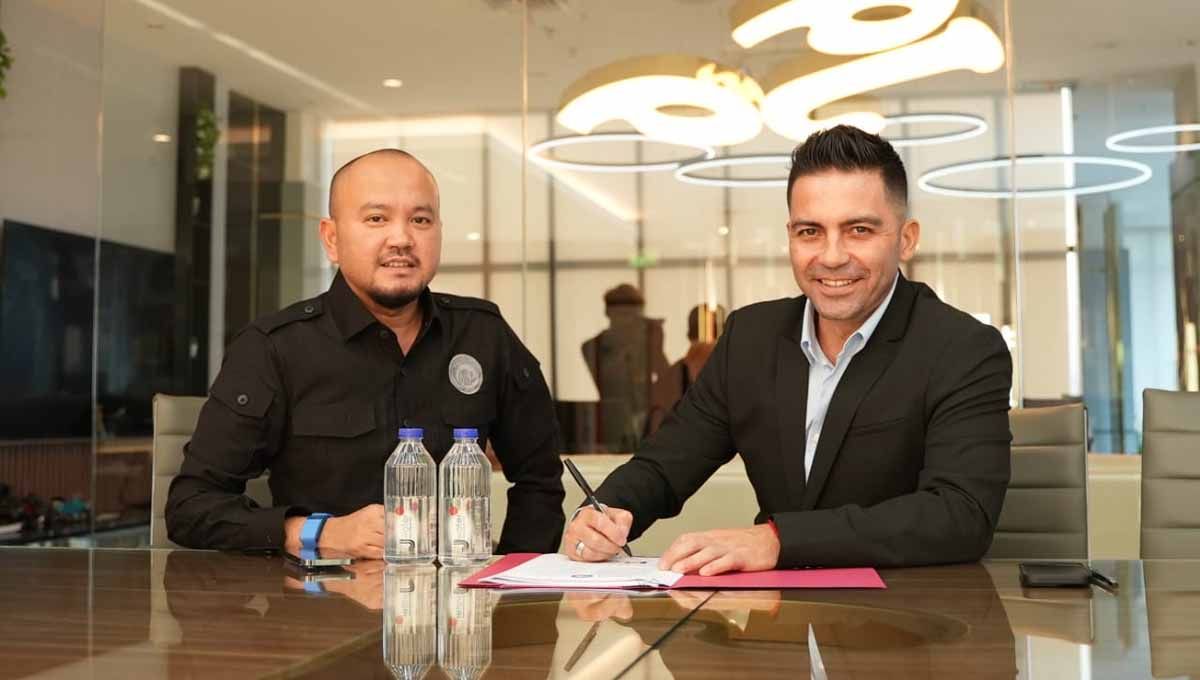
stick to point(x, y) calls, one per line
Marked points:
point(1063, 575)
point(312, 559)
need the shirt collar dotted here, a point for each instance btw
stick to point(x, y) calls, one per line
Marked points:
point(857, 340)
point(351, 316)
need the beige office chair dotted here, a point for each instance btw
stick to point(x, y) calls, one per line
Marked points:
point(1045, 510)
point(1170, 475)
point(174, 421)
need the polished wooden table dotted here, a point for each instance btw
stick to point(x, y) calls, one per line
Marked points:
point(180, 613)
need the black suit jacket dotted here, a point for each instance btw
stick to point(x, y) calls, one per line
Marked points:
point(913, 459)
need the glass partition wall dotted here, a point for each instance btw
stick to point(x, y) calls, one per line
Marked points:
point(611, 176)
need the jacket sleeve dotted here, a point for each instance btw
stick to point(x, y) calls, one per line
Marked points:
point(953, 512)
point(527, 442)
point(239, 431)
point(693, 443)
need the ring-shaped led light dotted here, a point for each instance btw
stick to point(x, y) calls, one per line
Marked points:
point(926, 180)
point(537, 150)
point(1116, 142)
point(686, 173)
point(978, 126)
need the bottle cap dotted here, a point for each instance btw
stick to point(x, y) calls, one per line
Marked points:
point(411, 433)
point(466, 433)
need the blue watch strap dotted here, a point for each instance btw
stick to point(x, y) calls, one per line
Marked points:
point(311, 530)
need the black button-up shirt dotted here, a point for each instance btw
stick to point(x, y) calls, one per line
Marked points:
point(315, 394)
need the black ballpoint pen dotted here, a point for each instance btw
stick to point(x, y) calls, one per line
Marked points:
point(587, 491)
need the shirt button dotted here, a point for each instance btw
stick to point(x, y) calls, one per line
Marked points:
point(383, 332)
point(308, 309)
point(242, 400)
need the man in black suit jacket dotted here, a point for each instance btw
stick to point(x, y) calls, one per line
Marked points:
point(872, 417)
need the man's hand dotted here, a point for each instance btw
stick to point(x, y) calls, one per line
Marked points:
point(359, 534)
point(602, 534)
point(709, 553)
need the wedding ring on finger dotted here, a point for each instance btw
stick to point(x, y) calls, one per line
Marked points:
point(579, 548)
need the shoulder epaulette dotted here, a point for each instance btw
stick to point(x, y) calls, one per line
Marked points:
point(464, 302)
point(305, 309)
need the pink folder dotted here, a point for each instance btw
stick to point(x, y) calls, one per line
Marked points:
point(858, 577)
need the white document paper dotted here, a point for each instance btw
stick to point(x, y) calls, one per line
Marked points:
point(558, 571)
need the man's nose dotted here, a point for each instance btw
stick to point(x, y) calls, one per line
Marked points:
point(400, 236)
point(834, 254)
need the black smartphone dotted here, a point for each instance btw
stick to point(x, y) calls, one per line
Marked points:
point(1055, 575)
point(315, 558)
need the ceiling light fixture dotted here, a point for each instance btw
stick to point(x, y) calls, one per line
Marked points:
point(687, 172)
point(798, 87)
point(671, 98)
point(474, 236)
point(537, 151)
point(978, 126)
point(393, 82)
point(1116, 142)
point(925, 182)
point(162, 138)
point(834, 27)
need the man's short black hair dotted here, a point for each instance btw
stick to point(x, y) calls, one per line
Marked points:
point(849, 149)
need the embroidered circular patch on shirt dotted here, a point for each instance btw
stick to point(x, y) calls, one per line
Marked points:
point(466, 374)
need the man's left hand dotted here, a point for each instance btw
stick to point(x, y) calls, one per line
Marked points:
point(709, 553)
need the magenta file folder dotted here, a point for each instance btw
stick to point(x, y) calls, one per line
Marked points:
point(777, 579)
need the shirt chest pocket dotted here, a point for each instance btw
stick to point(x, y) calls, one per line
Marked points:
point(335, 430)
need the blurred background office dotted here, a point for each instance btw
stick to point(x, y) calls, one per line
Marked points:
point(164, 164)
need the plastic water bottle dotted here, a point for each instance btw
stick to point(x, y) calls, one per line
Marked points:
point(410, 620)
point(409, 493)
point(464, 502)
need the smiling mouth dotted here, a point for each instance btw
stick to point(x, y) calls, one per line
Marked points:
point(836, 283)
point(399, 264)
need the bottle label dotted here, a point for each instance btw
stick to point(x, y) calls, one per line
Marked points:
point(460, 529)
point(405, 532)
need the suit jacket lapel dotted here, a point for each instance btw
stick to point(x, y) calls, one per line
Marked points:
point(791, 400)
point(860, 376)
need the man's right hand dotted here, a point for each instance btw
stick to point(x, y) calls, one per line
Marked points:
point(602, 535)
point(359, 534)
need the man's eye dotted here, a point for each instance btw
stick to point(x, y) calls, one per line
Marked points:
point(375, 218)
point(421, 220)
point(861, 229)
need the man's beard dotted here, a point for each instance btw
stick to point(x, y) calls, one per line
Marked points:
point(395, 300)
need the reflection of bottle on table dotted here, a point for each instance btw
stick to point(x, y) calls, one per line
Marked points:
point(409, 620)
point(464, 625)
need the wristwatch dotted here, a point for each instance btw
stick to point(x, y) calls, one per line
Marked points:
point(311, 530)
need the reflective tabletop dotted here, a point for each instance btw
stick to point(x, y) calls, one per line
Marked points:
point(182, 613)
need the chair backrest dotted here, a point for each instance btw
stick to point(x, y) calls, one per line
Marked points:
point(174, 421)
point(1170, 475)
point(1045, 510)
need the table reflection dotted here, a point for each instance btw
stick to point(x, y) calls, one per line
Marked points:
point(161, 613)
point(928, 623)
point(1173, 618)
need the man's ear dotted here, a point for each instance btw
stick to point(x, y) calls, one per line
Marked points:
point(910, 234)
point(328, 232)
